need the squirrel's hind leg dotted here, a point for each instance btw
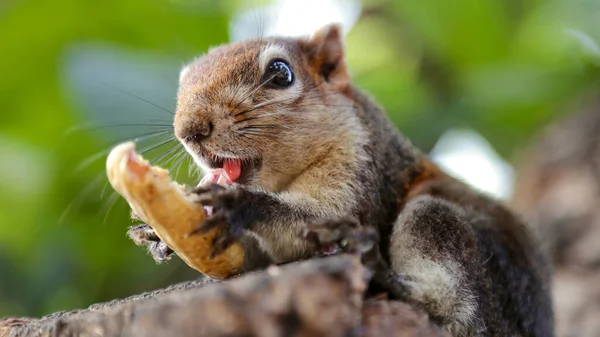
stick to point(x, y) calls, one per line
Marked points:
point(434, 251)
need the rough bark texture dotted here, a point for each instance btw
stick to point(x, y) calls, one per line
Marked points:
point(558, 192)
point(320, 297)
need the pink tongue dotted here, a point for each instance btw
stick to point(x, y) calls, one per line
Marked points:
point(233, 168)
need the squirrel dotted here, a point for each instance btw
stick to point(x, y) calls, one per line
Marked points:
point(316, 163)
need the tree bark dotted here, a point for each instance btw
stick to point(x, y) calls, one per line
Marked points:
point(319, 297)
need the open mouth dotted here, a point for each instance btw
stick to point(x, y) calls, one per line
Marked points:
point(232, 170)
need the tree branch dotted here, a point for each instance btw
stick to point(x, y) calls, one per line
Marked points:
point(319, 297)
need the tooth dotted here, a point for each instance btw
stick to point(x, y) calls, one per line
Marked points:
point(218, 176)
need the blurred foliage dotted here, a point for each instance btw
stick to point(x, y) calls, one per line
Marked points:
point(500, 67)
point(503, 68)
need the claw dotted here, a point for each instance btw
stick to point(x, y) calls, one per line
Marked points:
point(218, 219)
point(222, 200)
point(220, 244)
point(134, 217)
point(205, 200)
point(346, 235)
point(162, 251)
point(208, 188)
point(216, 188)
point(142, 234)
point(159, 251)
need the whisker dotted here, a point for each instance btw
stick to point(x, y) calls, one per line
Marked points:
point(85, 192)
point(262, 23)
point(232, 98)
point(157, 161)
point(112, 201)
point(259, 21)
point(255, 90)
point(290, 113)
point(267, 126)
point(140, 98)
point(257, 132)
point(144, 136)
point(175, 158)
point(167, 141)
point(320, 94)
point(104, 189)
point(159, 120)
point(105, 126)
point(282, 99)
point(247, 119)
point(275, 101)
point(177, 165)
point(144, 151)
point(333, 105)
point(247, 136)
point(87, 162)
point(261, 134)
point(182, 161)
point(261, 105)
point(190, 167)
point(181, 151)
point(193, 170)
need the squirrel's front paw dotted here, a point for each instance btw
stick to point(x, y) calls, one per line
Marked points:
point(231, 214)
point(340, 235)
point(144, 235)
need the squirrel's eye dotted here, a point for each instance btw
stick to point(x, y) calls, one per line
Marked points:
point(279, 74)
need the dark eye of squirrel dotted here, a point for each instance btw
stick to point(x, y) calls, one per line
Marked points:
point(279, 74)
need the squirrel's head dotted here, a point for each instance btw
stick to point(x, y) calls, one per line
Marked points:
point(266, 108)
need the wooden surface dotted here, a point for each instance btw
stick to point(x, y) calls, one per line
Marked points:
point(320, 297)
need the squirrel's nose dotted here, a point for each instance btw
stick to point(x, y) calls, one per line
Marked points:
point(200, 131)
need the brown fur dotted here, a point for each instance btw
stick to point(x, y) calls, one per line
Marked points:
point(322, 150)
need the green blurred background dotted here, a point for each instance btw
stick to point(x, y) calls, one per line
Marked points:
point(69, 69)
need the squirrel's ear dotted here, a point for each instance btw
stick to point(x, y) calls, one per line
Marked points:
point(326, 50)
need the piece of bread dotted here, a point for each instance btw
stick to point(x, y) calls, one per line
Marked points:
point(165, 206)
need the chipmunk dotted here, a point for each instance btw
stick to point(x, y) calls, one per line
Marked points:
point(317, 163)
